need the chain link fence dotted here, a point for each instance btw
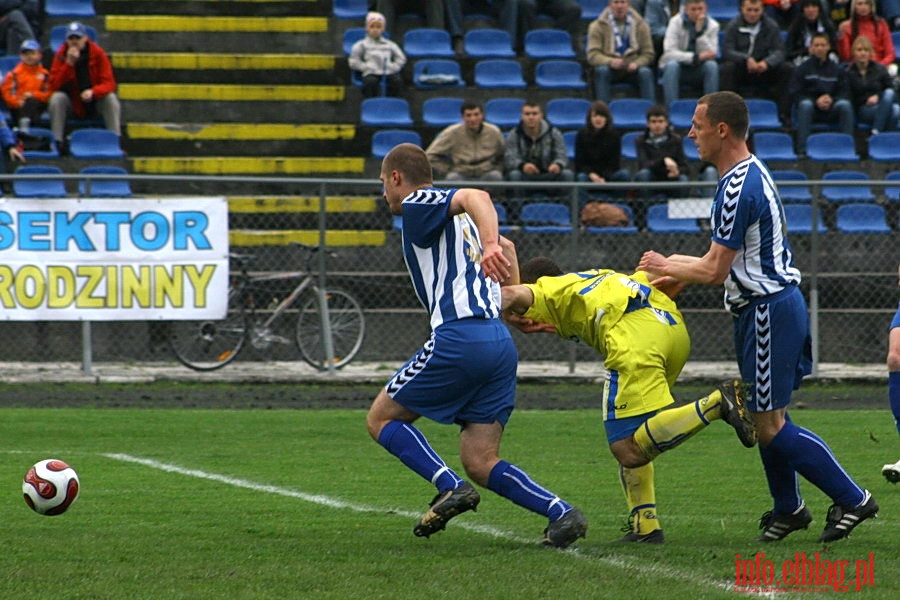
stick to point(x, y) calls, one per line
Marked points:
point(850, 279)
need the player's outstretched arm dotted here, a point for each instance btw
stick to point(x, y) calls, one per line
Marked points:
point(710, 269)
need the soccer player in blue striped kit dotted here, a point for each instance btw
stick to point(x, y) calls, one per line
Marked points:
point(466, 371)
point(751, 255)
point(891, 472)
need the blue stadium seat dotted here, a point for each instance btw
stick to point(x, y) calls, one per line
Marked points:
point(442, 111)
point(681, 112)
point(792, 193)
point(437, 73)
point(385, 112)
point(619, 229)
point(567, 113)
point(559, 75)
point(498, 73)
point(541, 44)
point(895, 37)
point(763, 114)
point(629, 113)
point(58, 36)
point(629, 149)
point(95, 143)
point(502, 218)
point(722, 10)
point(350, 9)
point(799, 219)
point(503, 112)
point(569, 138)
point(51, 152)
point(774, 145)
point(70, 9)
point(690, 148)
point(892, 192)
point(861, 218)
point(841, 194)
point(546, 217)
point(428, 43)
point(829, 146)
point(100, 188)
point(658, 221)
point(488, 43)
point(8, 63)
point(384, 140)
point(885, 146)
point(591, 9)
point(39, 188)
point(351, 36)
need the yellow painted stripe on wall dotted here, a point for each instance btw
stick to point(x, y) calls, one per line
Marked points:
point(248, 165)
point(223, 92)
point(300, 204)
point(309, 237)
point(185, 60)
point(220, 24)
point(240, 131)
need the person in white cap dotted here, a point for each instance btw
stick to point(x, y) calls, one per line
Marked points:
point(377, 58)
point(83, 84)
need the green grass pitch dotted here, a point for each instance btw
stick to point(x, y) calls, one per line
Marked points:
point(252, 504)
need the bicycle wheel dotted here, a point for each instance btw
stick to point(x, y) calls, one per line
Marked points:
point(348, 326)
point(209, 345)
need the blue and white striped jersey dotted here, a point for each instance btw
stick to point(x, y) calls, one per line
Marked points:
point(747, 216)
point(443, 255)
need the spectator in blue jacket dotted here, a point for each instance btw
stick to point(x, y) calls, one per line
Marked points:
point(821, 92)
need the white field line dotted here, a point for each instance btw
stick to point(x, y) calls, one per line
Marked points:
point(656, 570)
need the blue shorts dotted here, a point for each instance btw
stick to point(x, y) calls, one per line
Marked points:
point(896, 322)
point(465, 373)
point(620, 429)
point(774, 348)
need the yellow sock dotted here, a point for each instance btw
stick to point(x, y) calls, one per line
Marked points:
point(669, 428)
point(640, 494)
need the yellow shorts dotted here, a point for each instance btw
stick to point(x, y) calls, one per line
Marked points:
point(644, 357)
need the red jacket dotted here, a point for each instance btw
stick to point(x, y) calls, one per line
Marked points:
point(877, 30)
point(64, 79)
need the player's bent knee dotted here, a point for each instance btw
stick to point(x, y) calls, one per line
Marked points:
point(628, 453)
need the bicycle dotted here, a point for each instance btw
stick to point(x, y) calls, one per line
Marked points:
point(253, 312)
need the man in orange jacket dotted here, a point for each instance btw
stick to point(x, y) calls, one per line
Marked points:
point(26, 89)
point(83, 84)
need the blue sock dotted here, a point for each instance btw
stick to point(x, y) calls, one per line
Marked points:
point(810, 456)
point(409, 445)
point(894, 395)
point(513, 483)
point(783, 482)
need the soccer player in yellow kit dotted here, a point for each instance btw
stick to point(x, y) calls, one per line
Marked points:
point(641, 333)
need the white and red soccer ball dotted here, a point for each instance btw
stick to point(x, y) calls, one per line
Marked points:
point(50, 487)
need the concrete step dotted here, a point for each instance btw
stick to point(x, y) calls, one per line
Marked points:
point(215, 7)
point(248, 165)
point(193, 68)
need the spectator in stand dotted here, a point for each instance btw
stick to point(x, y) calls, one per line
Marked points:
point(782, 12)
point(26, 89)
point(621, 51)
point(657, 13)
point(821, 92)
point(689, 52)
point(812, 19)
point(871, 88)
point(14, 26)
point(566, 15)
point(509, 14)
point(753, 56)
point(660, 153)
point(470, 150)
point(83, 84)
point(598, 149)
point(10, 148)
point(864, 21)
point(536, 150)
point(377, 58)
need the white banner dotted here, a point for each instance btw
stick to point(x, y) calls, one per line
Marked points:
point(113, 259)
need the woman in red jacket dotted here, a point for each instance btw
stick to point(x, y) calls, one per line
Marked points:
point(82, 81)
point(863, 21)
